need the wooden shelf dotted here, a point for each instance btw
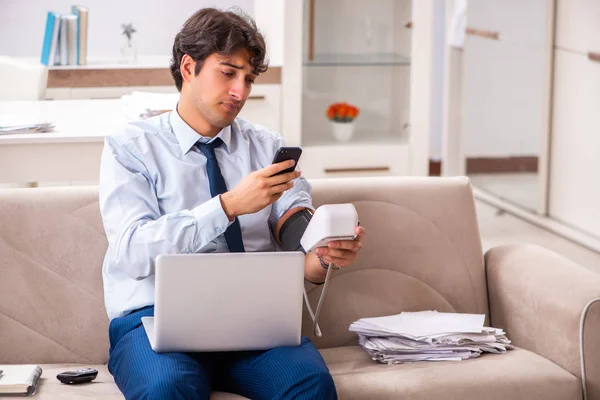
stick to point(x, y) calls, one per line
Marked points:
point(111, 75)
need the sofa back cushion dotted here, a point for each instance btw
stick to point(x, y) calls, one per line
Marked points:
point(52, 245)
point(421, 251)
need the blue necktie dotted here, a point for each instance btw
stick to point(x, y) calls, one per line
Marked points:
point(233, 234)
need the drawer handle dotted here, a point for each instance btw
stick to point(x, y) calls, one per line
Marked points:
point(363, 169)
point(482, 33)
point(257, 97)
point(594, 56)
point(408, 25)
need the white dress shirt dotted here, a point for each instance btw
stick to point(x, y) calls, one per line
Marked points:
point(155, 199)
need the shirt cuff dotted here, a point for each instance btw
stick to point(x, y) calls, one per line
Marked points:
point(212, 218)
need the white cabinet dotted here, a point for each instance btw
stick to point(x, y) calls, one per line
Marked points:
point(367, 64)
point(578, 25)
point(375, 56)
point(529, 78)
point(505, 99)
point(263, 106)
point(575, 160)
point(513, 20)
point(574, 188)
point(505, 107)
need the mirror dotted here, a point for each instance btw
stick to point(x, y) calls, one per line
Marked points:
point(506, 92)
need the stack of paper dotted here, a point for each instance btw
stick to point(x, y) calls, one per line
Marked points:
point(428, 336)
point(33, 127)
point(142, 105)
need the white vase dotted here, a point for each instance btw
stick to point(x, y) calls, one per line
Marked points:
point(342, 131)
point(128, 54)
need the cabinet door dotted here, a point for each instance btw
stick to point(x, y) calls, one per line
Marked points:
point(513, 20)
point(575, 161)
point(578, 25)
point(504, 98)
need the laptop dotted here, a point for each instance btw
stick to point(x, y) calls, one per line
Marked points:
point(226, 301)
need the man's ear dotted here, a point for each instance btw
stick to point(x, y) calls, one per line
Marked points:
point(187, 67)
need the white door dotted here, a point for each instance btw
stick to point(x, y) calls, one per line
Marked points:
point(505, 105)
point(575, 161)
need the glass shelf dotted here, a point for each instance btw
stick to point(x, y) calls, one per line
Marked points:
point(357, 60)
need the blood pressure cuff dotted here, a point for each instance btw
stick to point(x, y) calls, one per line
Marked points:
point(292, 230)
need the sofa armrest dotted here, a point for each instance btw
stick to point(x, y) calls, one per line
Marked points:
point(549, 305)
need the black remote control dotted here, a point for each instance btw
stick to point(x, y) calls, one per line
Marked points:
point(78, 376)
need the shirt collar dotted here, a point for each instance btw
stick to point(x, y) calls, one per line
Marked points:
point(188, 137)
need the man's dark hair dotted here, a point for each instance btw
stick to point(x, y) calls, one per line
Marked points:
point(211, 31)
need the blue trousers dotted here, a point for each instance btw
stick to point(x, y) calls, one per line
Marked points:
point(297, 372)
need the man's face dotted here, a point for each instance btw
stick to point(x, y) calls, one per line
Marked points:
point(221, 88)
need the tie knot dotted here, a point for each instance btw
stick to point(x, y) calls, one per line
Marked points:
point(208, 149)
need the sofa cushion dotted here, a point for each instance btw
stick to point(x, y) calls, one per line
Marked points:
point(519, 374)
point(52, 244)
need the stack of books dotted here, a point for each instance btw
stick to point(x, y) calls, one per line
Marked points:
point(428, 336)
point(66, 37)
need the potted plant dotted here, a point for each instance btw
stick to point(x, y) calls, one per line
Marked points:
point(341, 117)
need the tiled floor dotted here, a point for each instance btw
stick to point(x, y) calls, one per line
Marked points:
point(503, 228)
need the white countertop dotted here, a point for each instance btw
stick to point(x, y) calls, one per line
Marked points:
point(75, 121)
point(90, 120)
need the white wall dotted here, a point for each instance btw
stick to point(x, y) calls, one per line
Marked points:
point(269, 17)
point(22, 23)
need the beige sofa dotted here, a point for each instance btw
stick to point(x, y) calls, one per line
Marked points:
point(422, 252)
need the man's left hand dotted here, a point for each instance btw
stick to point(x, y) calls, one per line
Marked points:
point(342, 252)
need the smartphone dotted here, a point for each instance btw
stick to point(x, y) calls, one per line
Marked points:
point(287, 153)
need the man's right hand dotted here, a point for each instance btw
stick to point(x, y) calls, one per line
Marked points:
point(258, 190)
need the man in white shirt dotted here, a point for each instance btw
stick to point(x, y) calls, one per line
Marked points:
point(163, 189)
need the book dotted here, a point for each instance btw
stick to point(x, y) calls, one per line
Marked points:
point(19, 379)
point(62, 41)
point(82, 32)
point(49, 48)
point(69, 25)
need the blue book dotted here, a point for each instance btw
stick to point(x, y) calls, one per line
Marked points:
point(75, 11)
point(82, 14)
point(50, 38)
